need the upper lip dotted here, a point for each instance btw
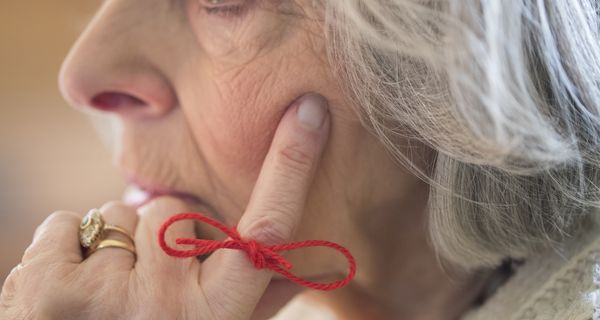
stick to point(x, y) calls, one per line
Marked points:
point(157, 190)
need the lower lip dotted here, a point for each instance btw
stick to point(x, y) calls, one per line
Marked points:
point(137, 197)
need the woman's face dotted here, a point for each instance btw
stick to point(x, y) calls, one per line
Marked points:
point(198, 89)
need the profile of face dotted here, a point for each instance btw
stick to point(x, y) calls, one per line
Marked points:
point(198, 87)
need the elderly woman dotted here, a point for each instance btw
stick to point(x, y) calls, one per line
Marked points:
point(451, 146)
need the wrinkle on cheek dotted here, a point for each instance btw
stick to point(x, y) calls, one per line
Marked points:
point(248, 117)
point(247, 101)
point(255, 97)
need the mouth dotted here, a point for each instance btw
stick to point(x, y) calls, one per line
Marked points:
point(138, 196)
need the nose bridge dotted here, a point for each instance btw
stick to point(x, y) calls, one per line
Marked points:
point(133, 24)
point(122, 51)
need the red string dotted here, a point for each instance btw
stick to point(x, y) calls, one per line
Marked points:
point(262, 256)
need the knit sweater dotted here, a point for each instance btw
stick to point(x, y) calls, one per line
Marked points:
point(558, 284)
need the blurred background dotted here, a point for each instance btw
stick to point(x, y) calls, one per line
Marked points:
point(50, 156)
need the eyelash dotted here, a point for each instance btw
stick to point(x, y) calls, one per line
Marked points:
point(225, 10)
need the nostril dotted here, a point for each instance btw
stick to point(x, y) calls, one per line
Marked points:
point(114, 101)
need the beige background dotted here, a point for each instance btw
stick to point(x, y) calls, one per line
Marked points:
point(50, 156)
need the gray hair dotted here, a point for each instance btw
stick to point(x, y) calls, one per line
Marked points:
point(508, 95)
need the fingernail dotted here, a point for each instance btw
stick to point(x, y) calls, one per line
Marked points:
point(312, 111)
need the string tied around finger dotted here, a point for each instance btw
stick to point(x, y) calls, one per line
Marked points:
point(262, 256)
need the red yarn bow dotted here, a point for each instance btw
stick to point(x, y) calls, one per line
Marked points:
point(262, 256)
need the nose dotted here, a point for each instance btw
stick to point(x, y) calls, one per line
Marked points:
point(98, 86)
point(109, 71)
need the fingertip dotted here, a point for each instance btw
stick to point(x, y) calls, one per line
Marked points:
point(312, 111)
point(301, 136)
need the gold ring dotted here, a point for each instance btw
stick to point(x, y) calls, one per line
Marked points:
point(112, 243)
point(93, 230)
point(112, 227)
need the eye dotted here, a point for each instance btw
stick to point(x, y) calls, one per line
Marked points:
point(224, 8)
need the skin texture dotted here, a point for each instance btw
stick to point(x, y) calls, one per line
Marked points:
point(55, 282)
point(197, 98)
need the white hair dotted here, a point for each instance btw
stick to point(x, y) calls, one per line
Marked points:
point(508, 95)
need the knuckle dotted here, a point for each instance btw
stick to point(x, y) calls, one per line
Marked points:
point(35, 251)
point(11, 283)
point(55, 218)
point(296, 157)
point(62, 217)
point(38, 252)
point(269, 231)
point(279, 205)
point(31, 252)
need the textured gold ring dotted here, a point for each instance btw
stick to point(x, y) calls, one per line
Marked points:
point(93, 231)
point(112, 243)
point(112, 227)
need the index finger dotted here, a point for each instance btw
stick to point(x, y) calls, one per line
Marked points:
point(276, 205)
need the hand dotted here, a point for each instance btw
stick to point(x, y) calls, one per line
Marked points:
point(54, 281)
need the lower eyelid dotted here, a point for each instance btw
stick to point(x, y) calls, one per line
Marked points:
point(225, 10)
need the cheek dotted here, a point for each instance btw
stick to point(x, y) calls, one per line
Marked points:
point(234, 112)
point(237, 120)
point(242, 132)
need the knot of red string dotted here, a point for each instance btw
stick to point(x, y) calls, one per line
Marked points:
point(262, 256)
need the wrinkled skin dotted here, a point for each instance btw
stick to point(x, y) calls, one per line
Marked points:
point(196, 97)
point(55, 282)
